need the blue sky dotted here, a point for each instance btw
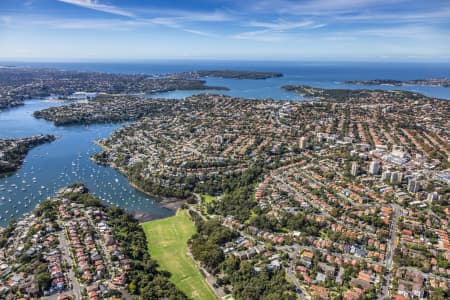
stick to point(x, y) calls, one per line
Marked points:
point(319, 30)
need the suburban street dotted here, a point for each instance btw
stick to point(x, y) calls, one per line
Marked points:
point(390, 253)
point(73, 281)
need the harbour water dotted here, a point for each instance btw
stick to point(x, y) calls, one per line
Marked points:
point(49, 167)
point(67, 160)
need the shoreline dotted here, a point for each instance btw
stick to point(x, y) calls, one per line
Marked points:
point(170, 203)
point(36, 141)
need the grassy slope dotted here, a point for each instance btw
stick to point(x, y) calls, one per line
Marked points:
point(167, 240)
point(207, 198)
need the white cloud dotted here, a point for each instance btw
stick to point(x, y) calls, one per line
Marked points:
point(341, 5)
point(174, 15)
point(176, 24)
point(428, 16)
point(204, 16)
point(418, 34)
point(320, 7)
point(259, 35)
point(274, 31)
point(28, 4)
point(201, 33)
point(410, 31)
point(6, 20)
point(168, 22)
point(171, 18)
point(95, 5)
point(338, 38)
point(16, 22)
point(97, 24)
point(283, 25)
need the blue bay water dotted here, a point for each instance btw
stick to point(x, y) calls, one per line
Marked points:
point(51, 166)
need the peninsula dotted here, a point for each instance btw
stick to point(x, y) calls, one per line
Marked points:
point(19, 83)
point(349, 95)
point(13, 151)
point(74, 247)
point(104, 109)
point(233, 74)
point(226, 74)
point(441, 82)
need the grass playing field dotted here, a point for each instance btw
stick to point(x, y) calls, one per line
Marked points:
point(167, 240)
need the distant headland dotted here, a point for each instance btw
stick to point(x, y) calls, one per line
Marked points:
point(441, 82)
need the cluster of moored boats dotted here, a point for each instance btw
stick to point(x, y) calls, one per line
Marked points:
point(41, 176)
point(21, 192)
